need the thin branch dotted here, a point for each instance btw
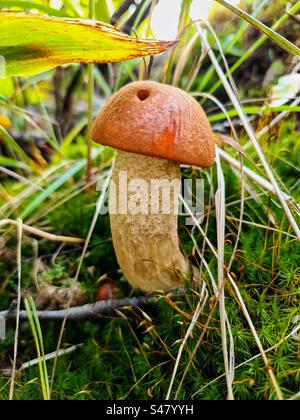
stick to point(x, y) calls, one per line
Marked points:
point(47, 357)
point(85, 312)
point(41, 233)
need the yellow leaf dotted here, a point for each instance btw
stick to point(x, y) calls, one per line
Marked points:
point(32, 43)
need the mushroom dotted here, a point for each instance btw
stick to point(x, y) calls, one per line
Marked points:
point(155, 128)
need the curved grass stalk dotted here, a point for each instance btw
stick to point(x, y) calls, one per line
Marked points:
point(259, 180)
point(99, 205)
point(20, 178)
point(14, 203)
point(19, 296)
point(67, 196)
point(89, 236)
point(220, 219)
point(183, 60)
point(241, 167)
point(37, 201)
point(291, 334)
point(269, 32)
point(41, 233)
point(292, 11)
point(91, 82)
point(199, 309)
point(277, 119)
point(250, 132)
point(243, 307)
point(38, 339)
point(227, 49)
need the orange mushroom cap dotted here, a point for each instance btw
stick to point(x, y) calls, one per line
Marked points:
point(156, 120)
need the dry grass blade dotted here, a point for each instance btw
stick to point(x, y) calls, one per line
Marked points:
point(283, 340)
point(220, 219)
point(280, 40)
point(243, 307)
point(16, 341)
point(99, 205)
point(257, 179)
point(20, 178)
point(240, 166)
point(236, 103)
point(276, 120)
point(199, 309)
point(41, 233)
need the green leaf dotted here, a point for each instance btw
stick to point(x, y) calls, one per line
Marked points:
point(277, 38)
point(31, 5)
point(32, 43)
point(102, 11)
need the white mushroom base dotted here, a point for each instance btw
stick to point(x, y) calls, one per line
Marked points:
point(146, 244)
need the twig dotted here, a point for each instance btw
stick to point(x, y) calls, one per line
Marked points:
point(50, 356)
point(41, 233)
point(85, 312)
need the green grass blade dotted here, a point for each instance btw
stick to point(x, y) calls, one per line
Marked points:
point(245, 25)
point(52, 188)
point(292, 11)
point(102, 11)
point(14, 146)
point(37, 344)
point(252, 110)
point(31, 5)
point(269, 32)
point(12, 163)
point(41, 344)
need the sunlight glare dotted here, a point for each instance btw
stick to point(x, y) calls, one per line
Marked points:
point(165, 18)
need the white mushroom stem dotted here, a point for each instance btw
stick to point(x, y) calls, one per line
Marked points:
point(143, 207)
